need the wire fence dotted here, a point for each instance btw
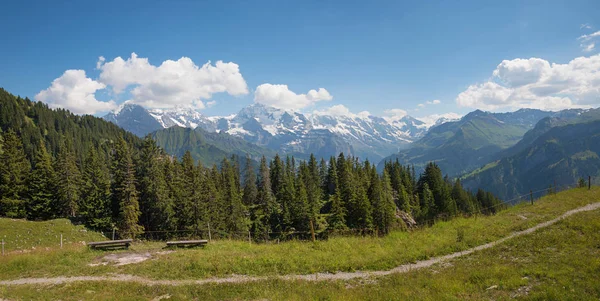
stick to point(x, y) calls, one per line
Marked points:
point(17, 245)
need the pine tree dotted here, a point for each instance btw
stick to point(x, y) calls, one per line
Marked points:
point(187, 206)
point(125, 193)
point(299, 209)
point(381, 196)
point(68, 180)
point(157, 212)
point(14, 169)
point(42, 187)
point(174, 182)
point(428, 207)
point(1, 142)
point(94, 206)
point(250, 189)
point(235, 220)
point(313, 183)
point(264, 215)
point(337, 217)
point(462, 199)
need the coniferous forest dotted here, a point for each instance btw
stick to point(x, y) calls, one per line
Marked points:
point(56, 164)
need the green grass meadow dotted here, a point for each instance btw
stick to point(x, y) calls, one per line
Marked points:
point(556, 263)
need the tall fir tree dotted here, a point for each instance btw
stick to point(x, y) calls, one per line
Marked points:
point(68, 179)
point(250, 188)
point(125, 193)
point(14, 169)
point(265, 214)
point(94, 205)
point(156, 207)
point(42, 188)
point(235, 219)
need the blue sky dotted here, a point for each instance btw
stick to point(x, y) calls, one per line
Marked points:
point(373, 56)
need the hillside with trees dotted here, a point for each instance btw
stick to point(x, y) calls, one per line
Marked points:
point(560, 155)
point(56, 164)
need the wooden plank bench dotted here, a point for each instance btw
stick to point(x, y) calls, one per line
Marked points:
point(110, 244)
point(187, 243)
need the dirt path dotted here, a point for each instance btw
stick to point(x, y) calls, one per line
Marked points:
point(309, 277)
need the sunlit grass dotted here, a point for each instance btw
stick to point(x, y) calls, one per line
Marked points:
point(556, 263)
point(220, 258)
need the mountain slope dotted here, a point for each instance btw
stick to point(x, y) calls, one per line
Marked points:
point(286, 131)
point(464, 145)
point(36, 123)
point(208, 148)
point(562, 154)
point(134, 119)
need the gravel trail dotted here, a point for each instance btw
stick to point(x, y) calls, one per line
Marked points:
point(308, 277)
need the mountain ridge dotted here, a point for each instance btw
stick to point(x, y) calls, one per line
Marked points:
point(369, 136)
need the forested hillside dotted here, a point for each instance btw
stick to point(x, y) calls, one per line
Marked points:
point(471, 142)
point(206, 147)
point(56, 164)
point(561, 154)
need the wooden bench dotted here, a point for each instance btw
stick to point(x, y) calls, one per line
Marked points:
point(110, 244)
point(187, 243)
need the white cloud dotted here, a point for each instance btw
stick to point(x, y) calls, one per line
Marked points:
point(433, 119)
point(520, 72)
point(76, 92)
point(429, 102)
point(100, 61)
point(172, 83)
point(586, 41)
point(588, 47)
point(336, 110)
point(280, 96)
point(587, 37)
point(341, 111)
point(394, 114)
point(211, 103)
point(535, 83)
point(585, 26)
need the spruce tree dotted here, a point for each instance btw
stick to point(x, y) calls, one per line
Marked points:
point(125, 193)
point(250, 189)
point(156, 207)
point(265, 213)
point(68, 179)
point(14, 169)
point(94, 205)
point(42, 187)
point(313, 183)
point(235, 219)
point(388, 209)
point(174, 182)
point(428, 207)
point(299, 209)
point(187, 206)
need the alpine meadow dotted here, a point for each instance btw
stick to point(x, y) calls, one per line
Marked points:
point(300, 150)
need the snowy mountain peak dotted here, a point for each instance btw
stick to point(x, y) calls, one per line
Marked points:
point(362, 134)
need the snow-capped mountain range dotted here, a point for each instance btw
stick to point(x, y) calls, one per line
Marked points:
point(286, 131)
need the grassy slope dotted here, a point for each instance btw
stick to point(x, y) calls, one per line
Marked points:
point(22, 235)
point(556, 263)
point(338, 254)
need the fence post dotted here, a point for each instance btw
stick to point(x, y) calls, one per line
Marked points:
point(61, 240)
point(531, 196)
point(113, 236)
point(589, 182)
point(249, 237)
point(312, 230)
point(209, 237)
